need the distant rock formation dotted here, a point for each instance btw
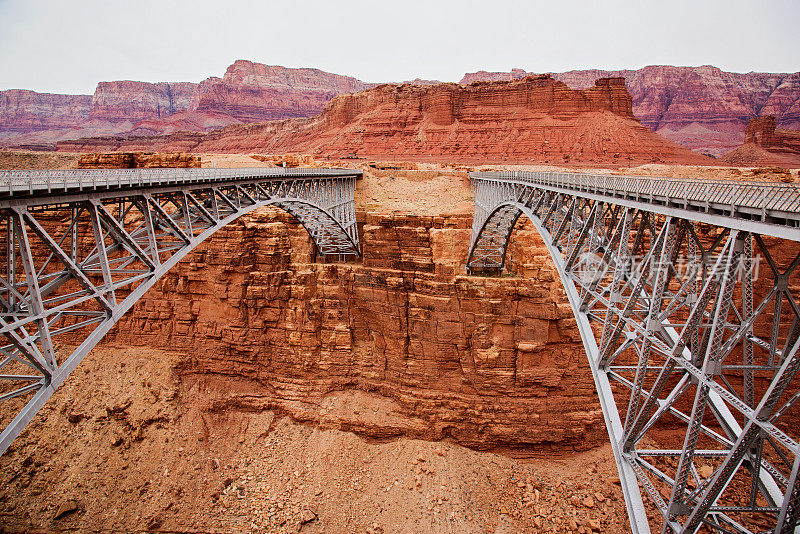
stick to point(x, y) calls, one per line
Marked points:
point(253, 92)
point(703, 108)
point(762, 131)
point(536, 119)
point(23, 111)
point(248, 92)
point(131, 101)
point(766, 145)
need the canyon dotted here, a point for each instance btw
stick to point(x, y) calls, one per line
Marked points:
point(535, 119)
point(703, 108)
point(257, 388)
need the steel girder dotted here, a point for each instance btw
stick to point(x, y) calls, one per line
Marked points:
point(77, 257)
point(690, 322)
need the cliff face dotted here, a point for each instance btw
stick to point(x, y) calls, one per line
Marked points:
point(536, 119)
point(250, 74)
point(131, 101)
point(448, 103)
point(248, 92)
point(486, 362)
point(703, 108)
point(27, 111)
point(253, 92)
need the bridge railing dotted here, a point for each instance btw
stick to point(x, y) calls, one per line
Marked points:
point(764, 197)
point(22, 182)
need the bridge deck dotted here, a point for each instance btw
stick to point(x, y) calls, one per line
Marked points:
point(773, 207)
point(24, 182)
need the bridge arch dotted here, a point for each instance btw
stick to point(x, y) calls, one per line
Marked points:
point(488, 252)
point(661, 308)
point(81, 247)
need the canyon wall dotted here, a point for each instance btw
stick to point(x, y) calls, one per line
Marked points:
point(131, 101)
point(403, 344)
point(253, 92)
point(23, 111)
point(248, 92)
point(536, 119)
point(703, 108)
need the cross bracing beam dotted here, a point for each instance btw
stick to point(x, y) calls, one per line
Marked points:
point(685, 295)
point(81, 247)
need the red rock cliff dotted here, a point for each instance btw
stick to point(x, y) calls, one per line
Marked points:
point(253, 92)
point(487, 362)
point(122, 101)
point(703, 108)
point(249, 92)
point(24, 111)
point(536, 119)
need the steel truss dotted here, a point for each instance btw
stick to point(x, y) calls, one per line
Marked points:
point(694, 351)
point(81, 247)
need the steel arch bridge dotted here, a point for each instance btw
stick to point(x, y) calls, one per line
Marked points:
point(685, 294)
point(81, 247)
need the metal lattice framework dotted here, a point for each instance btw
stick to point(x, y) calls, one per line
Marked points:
point(81, 247)
point(685, 294)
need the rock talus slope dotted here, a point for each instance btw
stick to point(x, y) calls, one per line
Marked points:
point(766, 145)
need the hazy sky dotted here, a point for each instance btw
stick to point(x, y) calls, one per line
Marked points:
point(68, 46)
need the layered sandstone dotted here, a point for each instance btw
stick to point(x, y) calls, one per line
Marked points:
point(486, 362)
point(131, 101)
point(703, 108)
point(536, 119)
point(174, 455)
point(24, 111)
point(254, 92)
point(248, 92)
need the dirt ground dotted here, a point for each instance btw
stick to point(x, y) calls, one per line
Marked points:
point(129, 445)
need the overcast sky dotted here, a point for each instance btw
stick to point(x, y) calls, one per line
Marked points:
point(67, 46)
